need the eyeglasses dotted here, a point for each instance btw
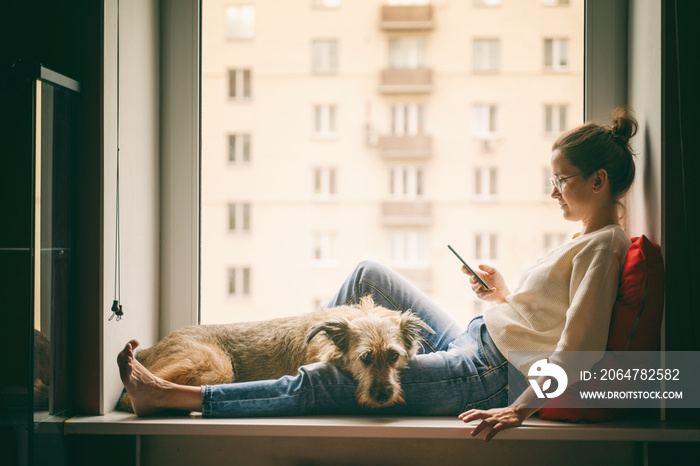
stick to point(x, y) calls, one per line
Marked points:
point(556, 182)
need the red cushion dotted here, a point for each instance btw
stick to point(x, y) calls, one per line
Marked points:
point(635, 325)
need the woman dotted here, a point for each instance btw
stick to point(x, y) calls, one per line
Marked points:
point(563, 303)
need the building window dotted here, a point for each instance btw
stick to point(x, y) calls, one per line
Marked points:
point(546, 182)
point(407, 53)
point(239, 216)
point(325, 3)
point(554, 119)
point(240, 22)
point(239, 84)
point(407, 119)
point(407, 2)
point(555, 2)
point(486, 183)
point(486, 55)
point(324, 182)
point(239, 281)
point(550, 240)
point(408, 248)
point(556, 54)
point(239, 148)
point(486, 246)
point(324, 56)
point(485, 121)
point(323, 253)
point(406, 182)
point(325, 120)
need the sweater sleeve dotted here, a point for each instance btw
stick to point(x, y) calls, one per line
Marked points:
point(592, 293)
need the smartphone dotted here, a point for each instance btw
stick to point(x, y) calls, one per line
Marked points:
point(483, 283)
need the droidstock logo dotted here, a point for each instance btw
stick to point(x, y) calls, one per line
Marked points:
point(542, 368)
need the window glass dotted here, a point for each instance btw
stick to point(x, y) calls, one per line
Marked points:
point(338, 131)
point(240, 21)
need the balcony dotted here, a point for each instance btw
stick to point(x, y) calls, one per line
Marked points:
point(407, 17)
point(406, 81)
point(416, 146)
point(407, 213)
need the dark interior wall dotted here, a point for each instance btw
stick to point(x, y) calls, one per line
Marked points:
point(66, 36)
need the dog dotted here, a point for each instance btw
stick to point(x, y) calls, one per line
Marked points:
point(373, 344)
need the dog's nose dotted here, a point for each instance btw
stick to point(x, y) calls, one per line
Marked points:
point(383, 394)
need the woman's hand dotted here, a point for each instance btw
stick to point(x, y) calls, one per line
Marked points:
point(497, 419)
point(497, 284)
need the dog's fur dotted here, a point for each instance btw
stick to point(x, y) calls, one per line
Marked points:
point(370, 342)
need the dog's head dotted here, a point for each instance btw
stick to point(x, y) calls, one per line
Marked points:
point(374, 345)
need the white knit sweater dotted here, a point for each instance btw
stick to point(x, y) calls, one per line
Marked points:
point(564, 301)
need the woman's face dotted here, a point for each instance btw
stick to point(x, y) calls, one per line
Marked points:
point(576, 195)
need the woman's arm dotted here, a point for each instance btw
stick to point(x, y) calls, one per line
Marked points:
point(514, 415)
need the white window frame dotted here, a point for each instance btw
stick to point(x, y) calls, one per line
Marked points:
point(239, 22)
point(239, 217)
point(486, 183)
point(241, 86)
point(555, 3)
point(324, 249)
point(325, 121)
point(486, 247)
point(407, 2)
point(406, 182)
point(547, 184)
point(407, 119)
point(236, 276)
point(486, 55)
point(557, 50)
point(555, 118)
point(325, 56)
point(239, 148)
point(325, 183)
point(407, 53)
point(323, 4)
point(487, 3)
point(604, 88)
point(408, 248)
point(485, 121)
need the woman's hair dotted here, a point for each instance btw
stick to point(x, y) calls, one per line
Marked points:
point(593, 146)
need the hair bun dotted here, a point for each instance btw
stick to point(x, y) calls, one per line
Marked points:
point(624, 124)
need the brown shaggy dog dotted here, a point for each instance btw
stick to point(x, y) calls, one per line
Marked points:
point(370, 342)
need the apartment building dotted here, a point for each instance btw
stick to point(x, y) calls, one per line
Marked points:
point(335, 131)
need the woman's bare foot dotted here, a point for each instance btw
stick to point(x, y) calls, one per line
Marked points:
point(144, 388)
point(149, 393)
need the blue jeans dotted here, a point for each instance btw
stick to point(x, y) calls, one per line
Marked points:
point(455, 371)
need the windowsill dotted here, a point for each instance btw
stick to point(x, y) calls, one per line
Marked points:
point(118, 423)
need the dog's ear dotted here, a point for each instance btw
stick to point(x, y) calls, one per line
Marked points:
point(338, 331)
point(411, 331)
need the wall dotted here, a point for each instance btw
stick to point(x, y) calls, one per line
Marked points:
point(139, 124)
point(644, 96)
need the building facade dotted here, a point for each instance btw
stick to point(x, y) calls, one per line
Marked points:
point(335, 131)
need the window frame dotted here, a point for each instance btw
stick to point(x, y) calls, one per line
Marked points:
point(244, 37)
point(325, 56)
point(486, 55)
